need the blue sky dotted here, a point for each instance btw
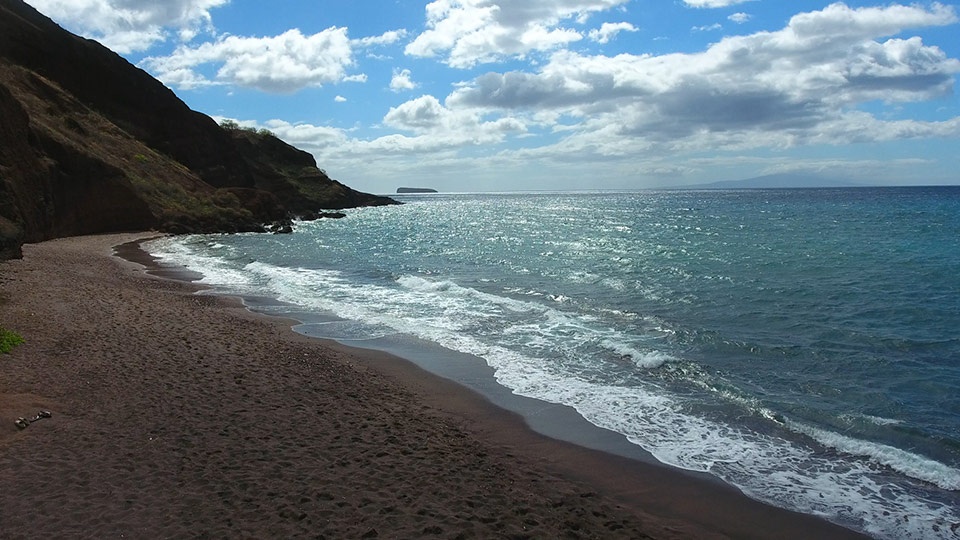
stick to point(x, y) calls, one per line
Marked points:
point(494, 95)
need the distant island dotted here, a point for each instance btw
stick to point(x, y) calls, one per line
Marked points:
point(415, 190)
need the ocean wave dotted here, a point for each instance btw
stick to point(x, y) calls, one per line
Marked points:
point(417, 283)
point(913, 465)
point(766, 467)
point(645, 360)
point(871, 419)
point(215, 269)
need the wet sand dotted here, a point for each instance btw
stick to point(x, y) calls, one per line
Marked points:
point(184, 415)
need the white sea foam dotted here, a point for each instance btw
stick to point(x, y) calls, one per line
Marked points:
point(215, 270)
point(646, 360)
point(908, 463)
point(420, 284)
point(879, 420)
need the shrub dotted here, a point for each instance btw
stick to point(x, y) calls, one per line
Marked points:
point(8, 340)
point(232, 125)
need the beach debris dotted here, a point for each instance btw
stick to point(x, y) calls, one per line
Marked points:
point(23, 423)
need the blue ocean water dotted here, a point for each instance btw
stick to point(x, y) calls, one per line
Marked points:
point(803, 345)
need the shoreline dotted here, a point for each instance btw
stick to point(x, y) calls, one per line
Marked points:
point(171, 387)
point(470, 372)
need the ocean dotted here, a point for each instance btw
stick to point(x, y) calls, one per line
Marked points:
point(802, 345)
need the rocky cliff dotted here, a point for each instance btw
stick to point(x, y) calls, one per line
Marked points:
point(90, 143)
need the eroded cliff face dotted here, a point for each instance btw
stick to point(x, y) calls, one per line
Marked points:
point(53, 184)
point(67, 170)
point(89, 143)
point(16, 158)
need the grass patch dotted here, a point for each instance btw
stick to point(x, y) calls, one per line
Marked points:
point(9, 340)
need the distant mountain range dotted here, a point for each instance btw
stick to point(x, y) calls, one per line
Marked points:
point(784, 180)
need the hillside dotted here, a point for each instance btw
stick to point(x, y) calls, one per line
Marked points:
point(90, 143)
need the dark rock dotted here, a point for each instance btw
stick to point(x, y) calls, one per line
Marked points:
point(11, 238)
point(281, 227)
point(313, 216)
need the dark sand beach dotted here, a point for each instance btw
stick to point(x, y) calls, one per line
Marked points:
point(183, 415)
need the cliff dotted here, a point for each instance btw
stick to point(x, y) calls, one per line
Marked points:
point(90, 143)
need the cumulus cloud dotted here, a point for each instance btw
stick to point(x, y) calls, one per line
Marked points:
point(608, 31)
point(303, 135)
point(799, 85)
point(128, 26)
point(279, 64)
point(469, 32)
point(401, 81)
point(431, 129)
point(417, 129)
point(843, 23)
point(740, 18)
point(423, 112)
point(426, 115)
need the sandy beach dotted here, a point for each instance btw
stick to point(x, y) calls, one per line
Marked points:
point(183, 415)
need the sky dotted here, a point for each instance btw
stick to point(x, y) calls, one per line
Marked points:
point(503, 95)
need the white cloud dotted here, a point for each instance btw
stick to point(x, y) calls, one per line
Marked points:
point(387, 38)
point(340, 99)
point(608, 31)
point(713, 3)
point(740, 18)
point(401, 81)
point(799, 85)
point(436, 126)
point(304, 136)
point(435, 131)
point(469, 32)
point(131, 25)
point(423, 112)
point(707, 28)
point(279, 64)
point(840, 22)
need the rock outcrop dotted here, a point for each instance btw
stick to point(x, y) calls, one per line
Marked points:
point(90, 143)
